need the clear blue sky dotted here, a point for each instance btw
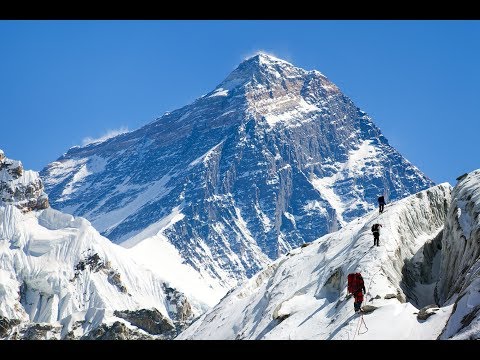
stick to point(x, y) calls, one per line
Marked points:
point(64, 81)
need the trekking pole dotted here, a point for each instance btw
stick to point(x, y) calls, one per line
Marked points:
point(357, 328)
point(364, 323)
point(359, 324)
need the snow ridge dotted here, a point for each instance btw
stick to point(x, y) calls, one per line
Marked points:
point(302, 295)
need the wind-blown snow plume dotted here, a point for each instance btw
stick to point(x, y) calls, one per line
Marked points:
point(108, 135)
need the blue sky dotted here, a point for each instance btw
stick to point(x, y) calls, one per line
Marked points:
point(64, 81)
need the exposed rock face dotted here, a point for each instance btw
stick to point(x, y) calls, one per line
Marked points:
point(459, 281)
point(21, 188)
point(116, 331)
point(427, 311)
point(7, 325)
point(152, 321)
point(15, 329)
point(94, 263)
point(367, 309)
point(42, 332)
point(274, 157)
point(179, 307)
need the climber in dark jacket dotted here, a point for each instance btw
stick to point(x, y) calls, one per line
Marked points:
point(376, 234)
point(381, 203)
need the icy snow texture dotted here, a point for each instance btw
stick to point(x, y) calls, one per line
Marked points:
point(302, 294)
point(275, 156)
point(460, 265)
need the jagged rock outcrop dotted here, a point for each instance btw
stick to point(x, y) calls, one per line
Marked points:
point(116, 331)
point(92, 262)
point(427, 311)
point(42, 332)
point(23, 189)
point(7, 325)
point(152, 321)
point(180, 307)
point(15, 329)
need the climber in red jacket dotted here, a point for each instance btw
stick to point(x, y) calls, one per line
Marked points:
point(356, 286)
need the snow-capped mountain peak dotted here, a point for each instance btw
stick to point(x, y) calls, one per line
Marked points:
point(268, 59)
point(264, 71)
point(262, 64)
point(273, 157)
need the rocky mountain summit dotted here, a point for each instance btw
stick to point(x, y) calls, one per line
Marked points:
point(274, 157)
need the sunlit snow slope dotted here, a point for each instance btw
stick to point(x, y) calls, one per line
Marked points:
point(302, 295)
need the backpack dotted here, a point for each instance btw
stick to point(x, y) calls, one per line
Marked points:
point(355, 282)
point(374, 227)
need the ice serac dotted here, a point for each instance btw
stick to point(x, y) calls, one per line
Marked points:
point(23, 189)
point(60, 279)
point(302, 295)
point(274, 157)
point(460, 267)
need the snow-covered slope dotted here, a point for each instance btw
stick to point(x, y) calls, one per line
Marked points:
point(57, 269)
point(273, 157)
point(59, 278)
point(460, 268)
point(302, 295)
